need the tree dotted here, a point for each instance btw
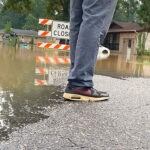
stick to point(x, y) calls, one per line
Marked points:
point(56, 9)
point(18, 5)
point(7, 29)
point(126, 11)
point(17, 20)
point(2, 2)
point(31, 10)
point(39, 11)
point(59, 9)
point(144, 14)
point(31, 23)
point(22, 20)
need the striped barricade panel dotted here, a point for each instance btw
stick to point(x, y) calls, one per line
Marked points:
point(41, 71)
point(45, 21)
point(38, 82)
point(44, 33)
point(52, 60)
point(53, 46)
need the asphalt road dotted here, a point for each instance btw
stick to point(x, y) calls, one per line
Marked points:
point(122, 123)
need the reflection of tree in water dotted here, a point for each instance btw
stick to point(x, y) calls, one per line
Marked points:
point(23, 101)
point(139, 67)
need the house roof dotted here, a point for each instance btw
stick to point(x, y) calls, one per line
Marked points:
point(23, 32)
point(117, 26)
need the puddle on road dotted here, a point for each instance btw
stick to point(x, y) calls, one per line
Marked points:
point(32, 79)
point(21, 102)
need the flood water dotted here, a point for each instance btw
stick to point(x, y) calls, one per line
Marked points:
point(31, 80)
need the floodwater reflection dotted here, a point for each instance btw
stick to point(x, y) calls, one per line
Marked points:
point(119, 66)
point(51, 70)
point(55, 76)
point(24, 72)
point(21, 102)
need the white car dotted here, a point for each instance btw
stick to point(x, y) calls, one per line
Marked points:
point(103, 53)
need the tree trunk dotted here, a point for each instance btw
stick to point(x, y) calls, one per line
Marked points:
point(66, 8)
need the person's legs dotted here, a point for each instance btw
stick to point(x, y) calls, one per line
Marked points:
point(75, 22)
point(85, 38)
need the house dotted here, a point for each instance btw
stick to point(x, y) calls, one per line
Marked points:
point(119, 37)
point(120, 34)
point(25, 36)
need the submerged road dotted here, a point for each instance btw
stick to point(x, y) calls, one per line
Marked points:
point(122, 123)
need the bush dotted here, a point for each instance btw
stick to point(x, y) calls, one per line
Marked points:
point(7, 29)
point(32, 41)
point(141, 45)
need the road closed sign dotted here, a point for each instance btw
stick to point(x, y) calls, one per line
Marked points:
point(60, 30)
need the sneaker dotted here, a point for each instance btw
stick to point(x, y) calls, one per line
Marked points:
point(84, 94)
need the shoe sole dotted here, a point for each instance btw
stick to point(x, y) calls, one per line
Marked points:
point(75, 97)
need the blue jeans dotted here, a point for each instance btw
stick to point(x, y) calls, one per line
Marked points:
point(89, 24)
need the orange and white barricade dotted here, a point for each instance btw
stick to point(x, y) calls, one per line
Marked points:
point(44, 33)
point(54, 76)
point(53, 46)
point(41, 71)
point(52, 60)
point(45, 21)
point(38, 82)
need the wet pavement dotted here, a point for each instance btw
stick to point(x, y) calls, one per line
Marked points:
point(33, 114)
point(122, 123)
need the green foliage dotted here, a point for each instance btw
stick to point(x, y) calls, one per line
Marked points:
point(7, 29)
point(17, 20)
point(31, 23)
point(141, 43)
point(38, 8)
point(146, 53)
point(32, 41)
point(18, 5)
point(58, 9)
point(126, 11)
point(13, 41)
point(31, 10)
point(22, 20)
point(144, 14)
